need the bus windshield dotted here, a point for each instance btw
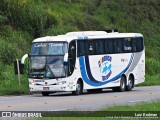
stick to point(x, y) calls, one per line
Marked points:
point(54, 48)
point(46, 67)
point(46, 60)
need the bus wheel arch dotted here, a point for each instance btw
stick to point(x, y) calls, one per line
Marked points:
point(130, 82)
point(79, 87)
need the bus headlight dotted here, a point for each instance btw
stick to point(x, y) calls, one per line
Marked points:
point(60, 83)
point(32, 83)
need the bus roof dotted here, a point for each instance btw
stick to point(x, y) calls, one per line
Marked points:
point(86, 35)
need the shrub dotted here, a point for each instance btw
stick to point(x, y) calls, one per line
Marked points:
point(152, 66)
point(8, 53)
point(9, 84)
point(29, 16)
point(13, 44)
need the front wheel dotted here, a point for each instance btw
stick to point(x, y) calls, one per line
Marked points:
point(78, 88)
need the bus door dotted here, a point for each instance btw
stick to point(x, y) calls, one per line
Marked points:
point(71, 57)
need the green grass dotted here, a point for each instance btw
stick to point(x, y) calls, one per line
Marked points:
point(151, 80)
point(9, 84)
point(152, 107)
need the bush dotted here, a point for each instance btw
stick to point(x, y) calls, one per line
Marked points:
point(13, 45)
point(152, 66)
point(29, 16)
point(8, 53)
point(57, 30)
point(3, 20)
point(9, 84)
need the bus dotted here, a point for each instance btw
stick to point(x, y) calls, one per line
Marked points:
point(86, 60)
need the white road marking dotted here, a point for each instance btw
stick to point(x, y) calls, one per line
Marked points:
point(139, 101)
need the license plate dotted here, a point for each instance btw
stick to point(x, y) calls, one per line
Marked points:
point(45, 88)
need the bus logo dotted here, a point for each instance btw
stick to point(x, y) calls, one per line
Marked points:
point(105, 67)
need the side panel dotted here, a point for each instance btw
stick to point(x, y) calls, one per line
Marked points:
point(102, 71)
point(140, 67)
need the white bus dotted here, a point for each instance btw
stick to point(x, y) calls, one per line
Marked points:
point(87, 60)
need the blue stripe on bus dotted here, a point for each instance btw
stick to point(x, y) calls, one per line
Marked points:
point(89, 79)
point(82, 37)
point(89, 70)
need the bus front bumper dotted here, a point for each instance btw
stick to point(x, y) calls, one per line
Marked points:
point(49, 88)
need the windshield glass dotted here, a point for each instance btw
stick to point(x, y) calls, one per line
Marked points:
point(54, 48)
point(46, 67)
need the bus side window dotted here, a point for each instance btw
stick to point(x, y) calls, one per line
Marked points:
point(99, 46)
point(71, 57)
point(90, 47)
point(137, 44)
point(81, 48)
point(118, 45)
point(109, 46)
point(134, 47)
point(127, 48)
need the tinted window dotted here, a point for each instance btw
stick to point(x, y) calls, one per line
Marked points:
point(137, 44)
point(110, 46)
point(99, 46)
point(127, 45)
point(81, 48)
point(118, 45)
point(90, 47)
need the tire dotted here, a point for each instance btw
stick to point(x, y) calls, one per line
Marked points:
point(94, 91)
point(130, 84)
point(122, 86)
point(79, 89)
point(45, 93)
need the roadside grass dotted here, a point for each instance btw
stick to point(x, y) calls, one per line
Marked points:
point(9, 84)
point(152, 107)
point(150, 80)
point(12, 87)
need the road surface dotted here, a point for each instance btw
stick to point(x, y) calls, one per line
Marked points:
point(84, 102)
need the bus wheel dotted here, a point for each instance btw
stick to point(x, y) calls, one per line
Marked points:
point(45, 93)
point(130, 84)
point(79, 88)
point(122, 86)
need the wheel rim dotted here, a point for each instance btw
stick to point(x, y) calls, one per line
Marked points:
point(123, 84)
point(130, 83)
point(78, 88)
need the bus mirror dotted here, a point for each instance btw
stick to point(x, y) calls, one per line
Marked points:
point(66, 59)
point(20, 65)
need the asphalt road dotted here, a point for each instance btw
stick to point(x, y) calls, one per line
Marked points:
point(84, 102)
